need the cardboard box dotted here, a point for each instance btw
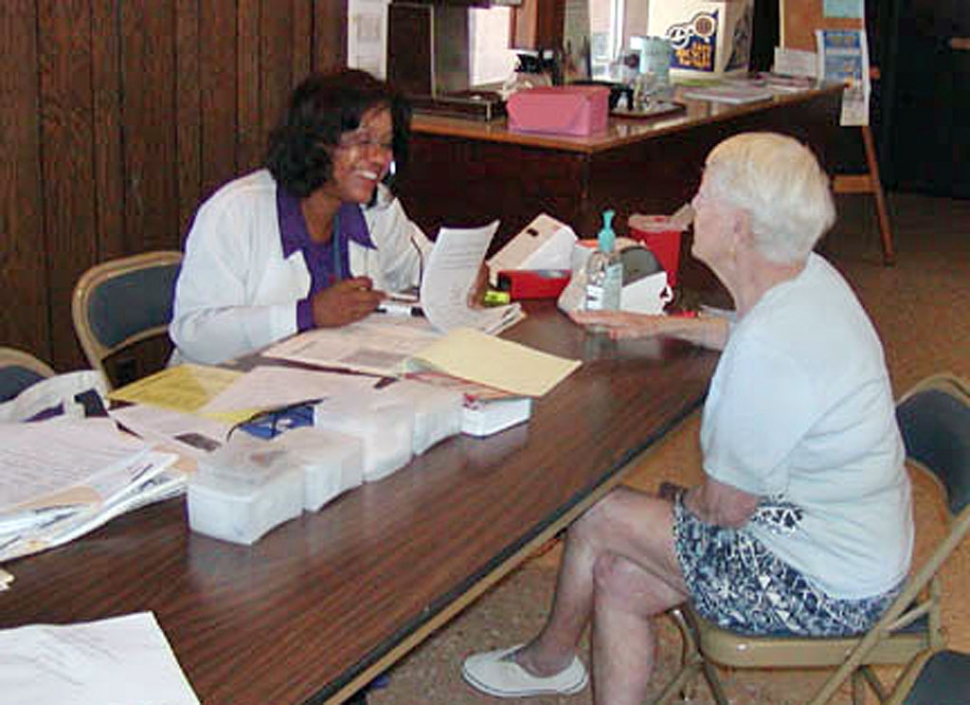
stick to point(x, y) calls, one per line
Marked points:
point(563, 110)
point(710, 39)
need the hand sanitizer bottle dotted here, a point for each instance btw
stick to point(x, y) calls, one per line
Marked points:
point(604, 270)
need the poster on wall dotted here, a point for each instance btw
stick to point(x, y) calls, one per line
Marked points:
point(367, 36)
point(844, 57)
point(853, 9)
point(576, 48)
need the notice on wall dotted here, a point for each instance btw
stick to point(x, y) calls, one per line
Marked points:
point(844, 56)
point(576, 29)
point(367, 36)
point(854, 9)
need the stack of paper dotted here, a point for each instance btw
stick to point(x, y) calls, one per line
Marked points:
point(63, 478)
point(733, 92)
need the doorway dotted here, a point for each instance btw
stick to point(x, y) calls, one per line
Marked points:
point(925, 134)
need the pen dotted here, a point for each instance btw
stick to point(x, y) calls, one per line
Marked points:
point(397, 308)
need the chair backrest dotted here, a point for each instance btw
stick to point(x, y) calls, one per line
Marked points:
point(934, 419)
point(19, 370)
point(121, 302)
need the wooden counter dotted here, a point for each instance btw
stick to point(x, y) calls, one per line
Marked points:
point(463, 172)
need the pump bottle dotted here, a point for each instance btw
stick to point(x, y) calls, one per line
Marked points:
point(604, 270)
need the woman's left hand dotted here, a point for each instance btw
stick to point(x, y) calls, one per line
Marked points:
point(476, 294)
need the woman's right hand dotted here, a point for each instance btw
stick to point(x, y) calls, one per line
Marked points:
point(623, 324)
point(345, 302)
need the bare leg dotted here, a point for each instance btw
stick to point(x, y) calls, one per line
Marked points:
point(626, 542)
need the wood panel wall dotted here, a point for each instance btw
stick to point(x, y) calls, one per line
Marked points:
point(117, 117)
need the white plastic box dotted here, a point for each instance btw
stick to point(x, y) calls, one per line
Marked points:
point(243, 490)
point(709, 39)
point(437, 411)
point(385, 426)
point(331, 462)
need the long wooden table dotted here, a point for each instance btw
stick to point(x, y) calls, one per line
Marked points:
point(321, 605)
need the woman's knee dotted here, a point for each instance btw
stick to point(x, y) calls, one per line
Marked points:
point(604, 517)
point(621, 582)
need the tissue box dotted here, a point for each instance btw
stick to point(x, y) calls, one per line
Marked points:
point(545, 243)
point(561, 110)
point(243, 490)
point(710, 39)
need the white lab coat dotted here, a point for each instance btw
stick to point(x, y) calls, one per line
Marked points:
point(237, 293)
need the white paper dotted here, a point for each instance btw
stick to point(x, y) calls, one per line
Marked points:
point(796, 62)
point(188, 434)
point(380, 344)
point(367, 36)
point(270, 387)
point(449, 277)
point(80, 508)
point(41, 458)
point(118, 661)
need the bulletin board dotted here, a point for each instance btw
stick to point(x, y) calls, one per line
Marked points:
point(800, 19)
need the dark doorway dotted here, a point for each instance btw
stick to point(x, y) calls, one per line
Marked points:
point(925, 131)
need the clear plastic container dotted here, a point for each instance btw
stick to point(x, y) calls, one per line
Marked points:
point(243, 490)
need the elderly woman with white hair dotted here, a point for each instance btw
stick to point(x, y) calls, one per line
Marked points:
point(803, 523)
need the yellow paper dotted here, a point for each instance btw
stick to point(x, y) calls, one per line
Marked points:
point(479, 357)
point(184, 388)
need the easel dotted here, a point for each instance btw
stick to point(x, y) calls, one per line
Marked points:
point(799, 20)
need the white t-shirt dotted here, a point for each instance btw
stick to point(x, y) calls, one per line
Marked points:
point(237, 292)
point(800, 411)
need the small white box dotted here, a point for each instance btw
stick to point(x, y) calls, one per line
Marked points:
point(485, 417)
point(545, 243)
point(709, 39)
point(437, 411)
point(385, 426)
point(331, 462)
point(243, 490)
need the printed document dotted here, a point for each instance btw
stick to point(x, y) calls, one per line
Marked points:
point(449, 277)
point(380, 344)
point(117, 661)
point(62, 478)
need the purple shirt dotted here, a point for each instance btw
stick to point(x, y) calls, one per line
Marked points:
point(328, 262)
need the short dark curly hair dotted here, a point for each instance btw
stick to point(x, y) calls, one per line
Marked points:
point(322, 108)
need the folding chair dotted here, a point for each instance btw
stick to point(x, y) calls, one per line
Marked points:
point(934, 419)
point(122, 302)
point(19, 370)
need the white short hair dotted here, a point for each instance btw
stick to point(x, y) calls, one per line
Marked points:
point(779, 183)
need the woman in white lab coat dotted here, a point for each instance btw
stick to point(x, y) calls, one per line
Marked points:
point(314, 239)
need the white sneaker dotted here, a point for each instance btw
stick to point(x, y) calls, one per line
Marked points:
point(497, 673)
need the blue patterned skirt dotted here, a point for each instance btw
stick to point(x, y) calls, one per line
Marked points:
point(737, 583)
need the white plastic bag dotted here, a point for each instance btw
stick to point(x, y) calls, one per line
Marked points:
point(57, 392)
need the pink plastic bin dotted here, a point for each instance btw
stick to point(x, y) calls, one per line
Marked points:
point(562, 110)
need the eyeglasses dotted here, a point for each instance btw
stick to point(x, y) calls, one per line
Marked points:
point(362, 139)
